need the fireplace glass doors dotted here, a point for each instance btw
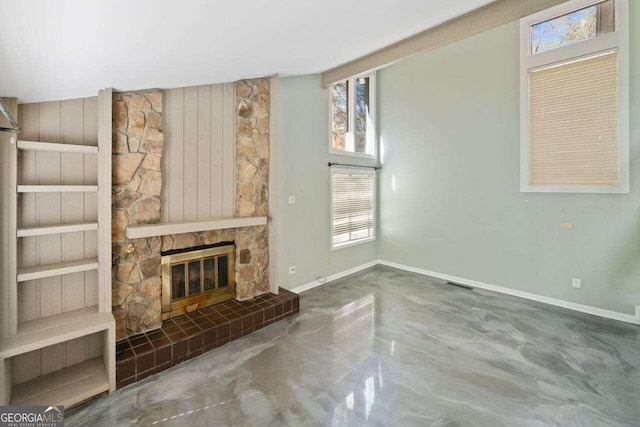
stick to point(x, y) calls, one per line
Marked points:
point(197, 279)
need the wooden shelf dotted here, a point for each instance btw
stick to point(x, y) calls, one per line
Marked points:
point(50, 270)
point(59, 148)
point(57, 188)
point(46, 331)
point(152, 230)
point(74, 331)
point(67, 387)
point(56, 229)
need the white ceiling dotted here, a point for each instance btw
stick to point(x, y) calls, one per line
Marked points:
point(61, 49)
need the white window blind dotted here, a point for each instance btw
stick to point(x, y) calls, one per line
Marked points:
point(573, 124)
point(352, 207)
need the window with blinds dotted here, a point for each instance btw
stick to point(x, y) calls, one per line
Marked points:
point(574, 112)
point(573, 127)
point(352, 207)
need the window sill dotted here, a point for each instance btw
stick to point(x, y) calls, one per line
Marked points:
point(575, 189)
point(351, 244)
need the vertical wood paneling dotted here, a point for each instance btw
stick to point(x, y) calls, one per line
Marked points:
point(228, 151)
point(28, 302)
point(199, 156)
point(190, 153)
point(94, 345)
point(53, 358)
point(165, 167)
point(33, 364)
point(27, 366)
point(175, 155)
point(48, 207)
point(204, 152)
point(75, 351)
point(72, 172)
point(217, 101)
point(29, 117)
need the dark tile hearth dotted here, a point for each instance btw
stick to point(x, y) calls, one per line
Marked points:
point(188, 336)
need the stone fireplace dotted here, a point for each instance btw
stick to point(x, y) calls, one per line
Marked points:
point(197, 278)
point(150, 338)
point(138, 147)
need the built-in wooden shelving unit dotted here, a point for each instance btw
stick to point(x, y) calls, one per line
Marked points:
point(82, 329)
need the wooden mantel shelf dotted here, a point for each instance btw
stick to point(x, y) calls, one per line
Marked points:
point(166, 228)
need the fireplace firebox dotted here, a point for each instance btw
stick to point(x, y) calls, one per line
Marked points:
point(197, 278)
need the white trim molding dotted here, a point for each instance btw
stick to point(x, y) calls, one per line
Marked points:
point(608, 314)
point(334, 277)
point(274, 193)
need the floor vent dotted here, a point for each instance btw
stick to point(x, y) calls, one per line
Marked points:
point(458, 285)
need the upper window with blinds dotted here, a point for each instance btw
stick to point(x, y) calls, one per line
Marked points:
point(351, 104)
point(352, 207)
point(574, 103)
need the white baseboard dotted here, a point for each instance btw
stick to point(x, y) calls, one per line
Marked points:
point(334, 277)
point(526, 295)
point(608, 314)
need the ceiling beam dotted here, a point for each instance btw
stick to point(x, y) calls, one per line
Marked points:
point(482, 19)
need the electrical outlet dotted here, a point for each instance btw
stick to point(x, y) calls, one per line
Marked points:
point(292, 269)
point(638, 311)
point(292, 200)
point(576, 283)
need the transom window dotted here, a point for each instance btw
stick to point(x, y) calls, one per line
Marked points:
point(573, 27)
point(352, 117)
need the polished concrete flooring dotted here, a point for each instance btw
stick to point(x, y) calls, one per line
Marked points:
point(395, 349)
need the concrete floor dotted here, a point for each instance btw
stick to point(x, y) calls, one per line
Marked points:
point(391, 348)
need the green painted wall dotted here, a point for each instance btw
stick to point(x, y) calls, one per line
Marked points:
point(304, 237)
point(449, 124)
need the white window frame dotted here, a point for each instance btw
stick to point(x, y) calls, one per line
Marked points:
point(352, 120)
point(617, 40)
point(375, 208)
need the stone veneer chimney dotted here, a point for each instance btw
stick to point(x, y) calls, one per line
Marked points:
point(138, 144)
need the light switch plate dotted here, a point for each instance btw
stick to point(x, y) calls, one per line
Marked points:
point(292, 200)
